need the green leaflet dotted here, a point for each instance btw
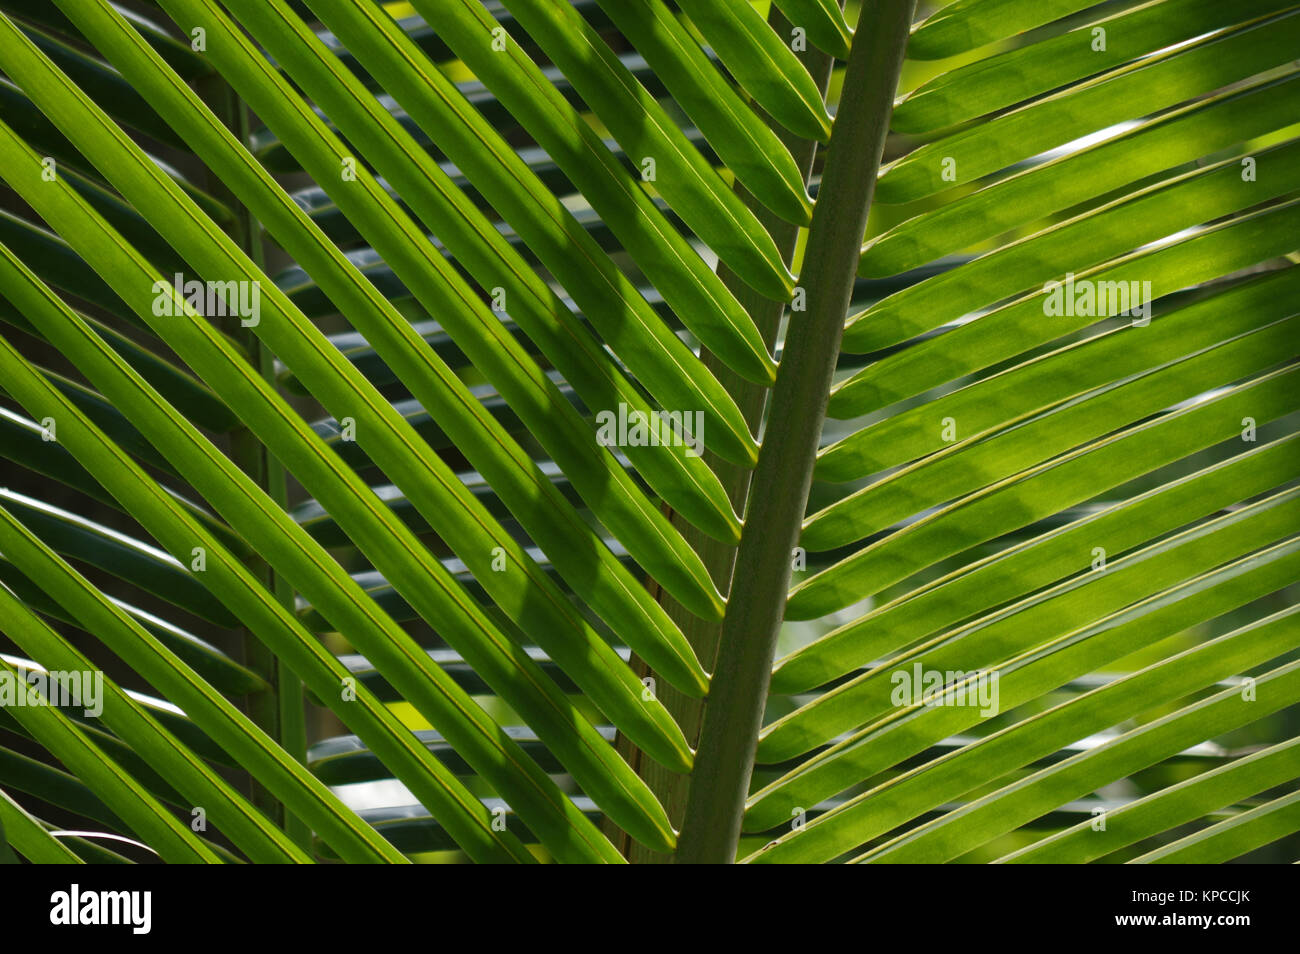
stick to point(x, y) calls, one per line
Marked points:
point(1090, 770)
point(1026, 322)
point(1139, 90)
point(823, 20)
point(746, 145)
point(762, 63)
point(1232, 838)
point(140, 810)
point(1017, 75)
point(613, 305)
point(244, 741)
point(688, 484)
point(1078, 244)
point(1154, 145)
point(1001, 453)
point(908, 732)
point(514, 676)
point(693, 290)
point(226, 575)
point(612, 591)
point(422, 682)
point(1035, 562)
point(1044, 490)
point(638, 521)
point(966, 24)
point(904, 796)
point(1069, 371)
point(1062, 608)
point(690, 185)
point(24, 834)
point(231, 814)
point(1168, 808)
point(130, 559)
point(1054, 492)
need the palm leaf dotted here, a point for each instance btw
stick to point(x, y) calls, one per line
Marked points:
point(477, 231)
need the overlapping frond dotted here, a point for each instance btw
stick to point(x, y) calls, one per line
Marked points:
point(451, 240)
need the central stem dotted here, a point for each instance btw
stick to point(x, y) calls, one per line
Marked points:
point(779, 492)
point(669, 787)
